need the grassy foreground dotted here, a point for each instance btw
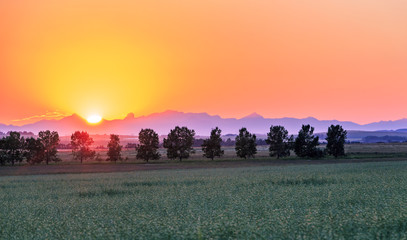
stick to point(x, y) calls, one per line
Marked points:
point(359, 200)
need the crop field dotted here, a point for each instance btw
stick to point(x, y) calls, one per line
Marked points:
point(342, 201)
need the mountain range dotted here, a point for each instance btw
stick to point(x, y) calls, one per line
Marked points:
point(202, 123)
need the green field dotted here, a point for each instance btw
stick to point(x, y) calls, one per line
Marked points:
point(358, 200)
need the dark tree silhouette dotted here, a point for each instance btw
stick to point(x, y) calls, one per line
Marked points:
point(279, 141)
point(81, 142)
point(13, 148)
point(115, 149)
point(149, 144)
point(50, 141)
point(179, 143)
point(212, 147)
point(336, 138)
point(306, 143)
point(34, 151)
point(245, 144)
point(3, 154)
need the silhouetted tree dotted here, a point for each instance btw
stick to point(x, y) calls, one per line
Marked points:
point(212, 147)
point(34, 151)
point(336, 138)
point(115, 149)
point(50, 142)
point(179, 143)
point(279, 141)
point(13, 148)
point(245, 144)
point(3, 154)
point(81, 142)
point(149, 144)
point(306, 143)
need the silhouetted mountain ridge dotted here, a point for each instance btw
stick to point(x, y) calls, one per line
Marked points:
point(253, 115)
point(202, 123)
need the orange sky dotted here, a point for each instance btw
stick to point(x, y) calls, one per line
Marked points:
point(336, 59)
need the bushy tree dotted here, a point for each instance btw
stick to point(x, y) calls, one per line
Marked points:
point(49, 140)
point(81, 142)
point(179, 143)
point(306, 143)
point(12, 148)
point(245, 145)
point(211, 147)
point(336, 138)
point(279, 141)
point(34, 151)
point(115, 149)
point(149, 144)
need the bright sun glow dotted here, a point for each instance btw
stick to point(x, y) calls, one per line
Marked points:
point(94, 119)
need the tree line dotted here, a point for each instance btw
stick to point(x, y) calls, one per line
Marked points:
point(178, 143)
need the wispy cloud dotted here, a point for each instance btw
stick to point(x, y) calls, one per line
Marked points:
point(48, 115)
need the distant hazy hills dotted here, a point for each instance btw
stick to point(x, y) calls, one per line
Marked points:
point(202, 123)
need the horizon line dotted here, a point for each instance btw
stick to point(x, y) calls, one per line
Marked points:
point(49, 116)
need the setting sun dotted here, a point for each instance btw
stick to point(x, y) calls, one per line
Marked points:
point(94, 119)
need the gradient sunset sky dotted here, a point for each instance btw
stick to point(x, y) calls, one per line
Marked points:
point(330, 59)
